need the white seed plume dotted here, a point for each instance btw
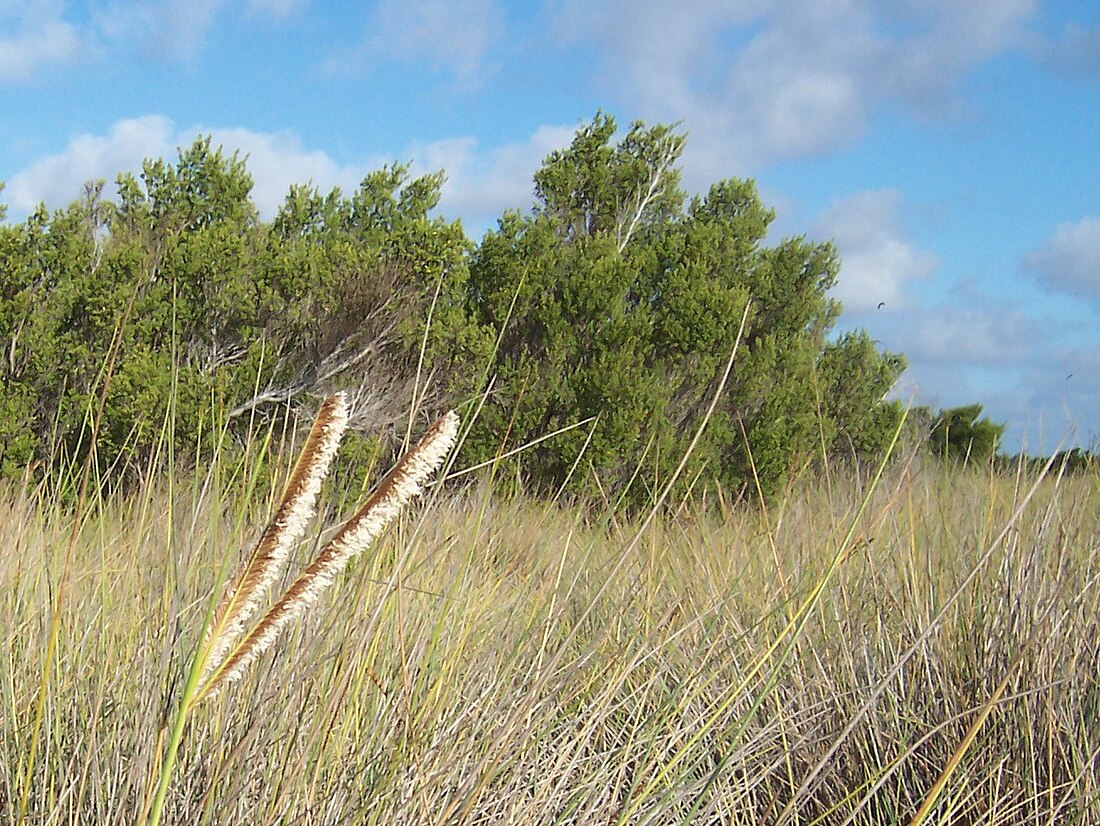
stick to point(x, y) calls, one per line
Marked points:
point(400, 485)
point(297, 507)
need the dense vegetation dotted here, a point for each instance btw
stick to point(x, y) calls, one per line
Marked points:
point(615, 302)
point(178, 297)
point(504, 661)
point(604, 315)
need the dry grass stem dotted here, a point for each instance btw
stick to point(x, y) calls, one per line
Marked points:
point(222, 658)
point(514, 668)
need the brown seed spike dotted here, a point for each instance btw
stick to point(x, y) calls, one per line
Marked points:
point(265, 565)
point(399, 486)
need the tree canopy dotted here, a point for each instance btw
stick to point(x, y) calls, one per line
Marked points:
point(962, 434)
point(208, 308)
point(615, 302)
point(620, 300)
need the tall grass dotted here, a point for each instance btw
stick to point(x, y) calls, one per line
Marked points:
point(503, 660)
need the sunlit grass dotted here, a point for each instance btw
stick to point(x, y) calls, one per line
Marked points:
point(499, 660)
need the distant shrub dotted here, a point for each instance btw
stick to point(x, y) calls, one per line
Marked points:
point(962, 434)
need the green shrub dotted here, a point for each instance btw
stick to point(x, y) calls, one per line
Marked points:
point(962, 434)
point(617, 302)
point(620, 299)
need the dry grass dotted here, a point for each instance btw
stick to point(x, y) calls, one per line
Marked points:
point(501, 661)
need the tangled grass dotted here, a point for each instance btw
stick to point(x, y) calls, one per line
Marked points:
point(847, 656)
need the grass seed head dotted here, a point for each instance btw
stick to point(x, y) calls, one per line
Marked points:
point(245, 593)
point(401, 484)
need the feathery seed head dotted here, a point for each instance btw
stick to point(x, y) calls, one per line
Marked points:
point(400, 485)
point(245, 593)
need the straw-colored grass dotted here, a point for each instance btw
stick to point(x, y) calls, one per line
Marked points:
point(496, 661)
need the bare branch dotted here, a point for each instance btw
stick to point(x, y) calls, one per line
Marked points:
point(643, 200)
point(304, 385)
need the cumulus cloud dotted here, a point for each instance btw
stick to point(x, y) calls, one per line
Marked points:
point(945, 40)
point(1069, 261)
point(972, 336)
point(763, 80)
point(481, 183)
point(277, 159)
point(34, 37)
point(449, 35)
point(56, 179)
point(877, 261)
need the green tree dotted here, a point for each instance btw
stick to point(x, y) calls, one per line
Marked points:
point(17, 439)
point(211, 309)
point(619, 301)
point(351, 283)
point(962, 434)
point(854, 378)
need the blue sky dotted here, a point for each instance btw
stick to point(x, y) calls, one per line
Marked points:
point(951, 148)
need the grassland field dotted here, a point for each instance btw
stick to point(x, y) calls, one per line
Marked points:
point(844, 655)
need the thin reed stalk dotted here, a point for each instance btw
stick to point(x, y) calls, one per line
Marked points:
point(226, 651)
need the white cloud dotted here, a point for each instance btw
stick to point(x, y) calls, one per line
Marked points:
point(277, 160)
point(877, 261)
point(34, 37)
point(166, 28)
point(57, 179)
point(35, 34)
point(1069, 261)
point(767, 80)
point(278, 8)
point(944, 40)
point(451, 35)
point(972, 336)
point(481, 183)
